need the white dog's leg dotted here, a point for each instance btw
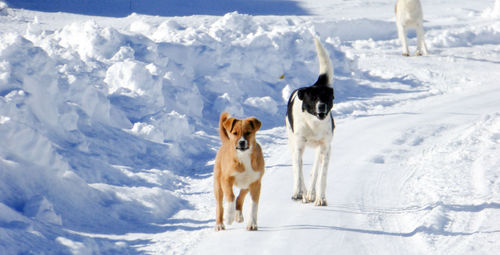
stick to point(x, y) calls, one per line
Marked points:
point(311, 191)
point(421, 47)
point(229, 212)
point(299, 188)
point(325, 159)
point(403, 39)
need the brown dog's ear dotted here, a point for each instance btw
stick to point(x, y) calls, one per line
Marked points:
point(229, 125)
point(254, 123)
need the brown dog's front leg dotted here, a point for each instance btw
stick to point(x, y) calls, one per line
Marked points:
point(255, 194)
point(239, 205)
point(219, 209)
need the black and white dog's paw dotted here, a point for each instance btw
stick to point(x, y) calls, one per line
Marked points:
point(252, 227)
point(320, 202)
point(297, 196)
point(311, 196)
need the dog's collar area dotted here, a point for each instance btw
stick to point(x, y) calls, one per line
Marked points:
point(321, 115)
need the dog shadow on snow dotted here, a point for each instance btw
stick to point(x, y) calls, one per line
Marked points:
point(423, 228)
point(420, 229)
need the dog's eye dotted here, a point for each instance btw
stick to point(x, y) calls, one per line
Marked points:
point(235, 133)
point(247, 133)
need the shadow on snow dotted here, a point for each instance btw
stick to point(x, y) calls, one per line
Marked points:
point(122, 8)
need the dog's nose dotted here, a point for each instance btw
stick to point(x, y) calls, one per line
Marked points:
point(243, 144)
point(321, 107)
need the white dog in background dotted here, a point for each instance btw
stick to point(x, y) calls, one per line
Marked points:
point(409, 15)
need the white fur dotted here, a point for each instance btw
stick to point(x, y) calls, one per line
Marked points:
point(325, 65)
point(243, 179)
point(309, 131)
point(229, 212)
point(252, 223)
point(239, 216)
point(409, 14)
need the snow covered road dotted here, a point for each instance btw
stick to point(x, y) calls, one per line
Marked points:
point(409, 176)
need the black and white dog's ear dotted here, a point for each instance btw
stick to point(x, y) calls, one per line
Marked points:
point(332, 92)
point(254, 123)
point(300, 94)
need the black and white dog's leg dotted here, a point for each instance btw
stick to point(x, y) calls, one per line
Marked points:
point(299, 188)
point(324, 159)
point(311, 191)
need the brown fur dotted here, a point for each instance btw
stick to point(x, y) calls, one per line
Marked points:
point(227, 165)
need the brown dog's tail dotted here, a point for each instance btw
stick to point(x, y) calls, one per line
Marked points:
point(222, 131)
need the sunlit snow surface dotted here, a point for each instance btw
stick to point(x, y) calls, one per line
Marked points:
point(108, 126)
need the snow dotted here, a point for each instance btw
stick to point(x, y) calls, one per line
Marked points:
point(109, 117)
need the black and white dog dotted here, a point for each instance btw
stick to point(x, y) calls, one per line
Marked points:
point(309, 122)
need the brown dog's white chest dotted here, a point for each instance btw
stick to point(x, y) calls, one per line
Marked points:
point(243, 179)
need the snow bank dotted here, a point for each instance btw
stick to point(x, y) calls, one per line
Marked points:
point(61, 127)
point(468, 36)
point(3, 8)
point(493, 12)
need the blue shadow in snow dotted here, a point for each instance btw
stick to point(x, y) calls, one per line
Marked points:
point(417, 230)
point(122, 8)
point(420, 229)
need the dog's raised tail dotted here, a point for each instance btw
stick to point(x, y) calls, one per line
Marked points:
point(325, 65)
point(222, 131)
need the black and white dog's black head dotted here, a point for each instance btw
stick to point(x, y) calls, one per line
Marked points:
point(318, 98)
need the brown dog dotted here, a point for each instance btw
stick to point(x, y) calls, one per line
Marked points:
point(239, 162)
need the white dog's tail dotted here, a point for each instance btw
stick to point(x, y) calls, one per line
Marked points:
point(325, 65)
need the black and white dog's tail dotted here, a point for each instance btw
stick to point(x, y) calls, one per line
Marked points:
point(325, 65)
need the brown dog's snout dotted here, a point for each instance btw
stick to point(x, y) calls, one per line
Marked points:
point(242, 144)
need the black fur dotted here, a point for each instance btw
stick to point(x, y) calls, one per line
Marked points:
point(232, 126)
point(333, 122)
point(322, 80)
point(289, 112)
point(319, 91)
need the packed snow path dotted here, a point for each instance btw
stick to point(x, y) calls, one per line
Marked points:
point(413, 177)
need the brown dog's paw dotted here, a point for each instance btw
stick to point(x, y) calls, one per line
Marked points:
point(239, 216)
point(219, 227)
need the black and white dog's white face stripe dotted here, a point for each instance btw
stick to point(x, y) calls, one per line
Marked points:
point(317, 99)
